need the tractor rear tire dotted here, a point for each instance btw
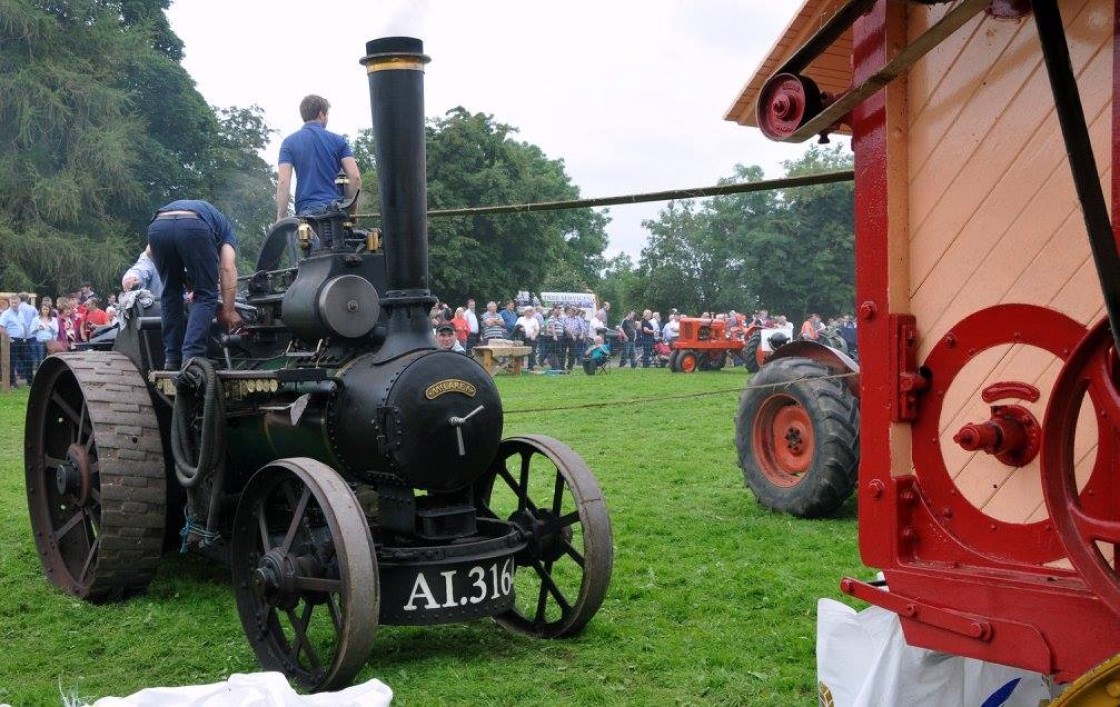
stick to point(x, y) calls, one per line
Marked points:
point(797, 433)
point(716, 360)
point(750, 352)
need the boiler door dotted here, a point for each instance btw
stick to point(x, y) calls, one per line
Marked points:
point(431, 418)
point(451, 421)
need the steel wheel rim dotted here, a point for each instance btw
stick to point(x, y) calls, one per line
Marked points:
point(570, 554)
point(783, 440)
point(1090, 370)
point(66, 520)
point(305, 574)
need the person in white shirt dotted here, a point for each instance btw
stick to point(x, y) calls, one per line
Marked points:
point(596, 325)
point(472, 321)
point(44, 328)
point(532, 329)
point(672, 329)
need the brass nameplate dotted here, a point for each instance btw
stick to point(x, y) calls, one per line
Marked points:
point(451, 385)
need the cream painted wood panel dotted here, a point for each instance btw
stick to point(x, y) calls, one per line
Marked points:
point(994, 219)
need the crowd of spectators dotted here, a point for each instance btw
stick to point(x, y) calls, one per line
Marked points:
point(561, 337)
point(55, 324)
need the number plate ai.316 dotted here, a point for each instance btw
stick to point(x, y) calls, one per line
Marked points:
point(458, 587)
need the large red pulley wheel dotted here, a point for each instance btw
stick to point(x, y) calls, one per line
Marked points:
point(1084, 520)
point(952, 486)
point(786, 102)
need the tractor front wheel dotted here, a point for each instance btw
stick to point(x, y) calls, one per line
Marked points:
point(753, 354)
point(688, 361)
point(674, 361)
point(797, 433)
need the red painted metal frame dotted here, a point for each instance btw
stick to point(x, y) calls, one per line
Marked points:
point(1037, 617)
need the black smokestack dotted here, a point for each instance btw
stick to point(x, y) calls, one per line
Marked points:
point(395, 66)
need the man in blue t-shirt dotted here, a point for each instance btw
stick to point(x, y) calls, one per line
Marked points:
point(316, 155)
point(191, 235)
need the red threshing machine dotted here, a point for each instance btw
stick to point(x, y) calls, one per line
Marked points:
point(985, 134)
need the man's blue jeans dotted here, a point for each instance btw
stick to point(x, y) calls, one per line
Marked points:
point(182, 244)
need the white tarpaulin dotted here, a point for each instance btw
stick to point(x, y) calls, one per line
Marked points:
point(863, 661)
point(253, 690)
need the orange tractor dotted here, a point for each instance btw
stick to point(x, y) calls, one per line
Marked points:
point(704, 345)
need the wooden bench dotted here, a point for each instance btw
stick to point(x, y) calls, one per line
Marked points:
point(497, 359)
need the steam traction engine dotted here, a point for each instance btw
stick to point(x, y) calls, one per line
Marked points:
point(351, 473)
point(988, 294)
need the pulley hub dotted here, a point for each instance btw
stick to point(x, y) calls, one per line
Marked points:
point(786, 102)
point(1012, 435)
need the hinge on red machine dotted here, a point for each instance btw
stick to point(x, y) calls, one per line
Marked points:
point(909, 380)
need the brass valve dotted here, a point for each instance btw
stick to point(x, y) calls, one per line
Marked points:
point(303, 235)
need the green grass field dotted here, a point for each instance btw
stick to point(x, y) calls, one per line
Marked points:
point(713, 599)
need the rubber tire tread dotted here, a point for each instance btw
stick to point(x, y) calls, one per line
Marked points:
point(673, 360)
point(132, 475)
point(834, 412)
point(750, 352)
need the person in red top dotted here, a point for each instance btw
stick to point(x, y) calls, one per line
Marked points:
point(462, 326)
point(95, 317)
point(811, 328)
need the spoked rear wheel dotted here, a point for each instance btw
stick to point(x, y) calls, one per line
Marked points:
point(95, 477)
point(1087, 523)
point(304, 573)
point(545, 488)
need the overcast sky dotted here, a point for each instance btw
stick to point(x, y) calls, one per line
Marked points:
point(630, 94)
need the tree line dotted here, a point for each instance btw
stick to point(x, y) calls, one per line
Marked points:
point(100, 124)
point(789, 251)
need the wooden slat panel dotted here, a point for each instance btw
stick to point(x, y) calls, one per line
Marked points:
point(1004, 207)
point(996, 142)
point(993, 218)
point(939, 64)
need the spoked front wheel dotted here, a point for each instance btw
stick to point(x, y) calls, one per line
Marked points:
point(304, 573)
point(547, 490)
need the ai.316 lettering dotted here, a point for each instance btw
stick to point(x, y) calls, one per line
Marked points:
point(482, 583)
